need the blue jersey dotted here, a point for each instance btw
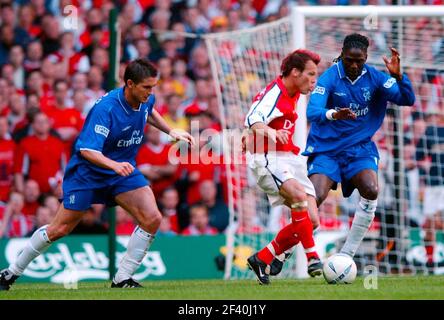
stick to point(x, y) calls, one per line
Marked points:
point(113, 128)
point(367, 96)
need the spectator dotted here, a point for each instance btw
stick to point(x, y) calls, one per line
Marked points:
point(173, 113)
point(124, 222)
point(17, 112)
point(66, 121)
point(218, 210)
point(165, 227)
point(153, 161)
point(16, 58)
point(34, 55)
point(31, 195)
point(72, 60)
point(43, 216)
point(168, 206)
point(13, 222)
point(39, 156)
point(7, 147)
point(90, 224)
point(199, 222)
point(328, 215)
point(52, 203)
point(431, 160)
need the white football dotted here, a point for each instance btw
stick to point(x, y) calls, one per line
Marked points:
point(339, 269)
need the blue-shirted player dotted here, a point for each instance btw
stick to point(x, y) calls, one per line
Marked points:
point(102, 170)
point(345, 110)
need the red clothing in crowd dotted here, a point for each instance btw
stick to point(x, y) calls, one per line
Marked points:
point(18, 226)
point(156, 156)
point(7, 148)
point(66, 118)
point(40, 159)
point(30, 208)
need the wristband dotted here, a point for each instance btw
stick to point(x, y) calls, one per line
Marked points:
point(329, 114)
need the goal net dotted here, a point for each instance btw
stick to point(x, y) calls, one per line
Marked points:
point(407, 234)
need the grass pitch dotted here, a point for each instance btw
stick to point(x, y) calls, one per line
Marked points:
point(407, 287)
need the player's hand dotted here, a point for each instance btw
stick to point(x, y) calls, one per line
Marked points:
point(123, 169)
point(394, 64)
point(344, 114)
point(179, 134)
point(283, 136)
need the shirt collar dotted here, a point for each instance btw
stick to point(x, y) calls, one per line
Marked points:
point(124, 104)
point(284, 91)
point(341, 72)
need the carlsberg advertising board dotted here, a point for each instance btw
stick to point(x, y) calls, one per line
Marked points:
point(84, 258)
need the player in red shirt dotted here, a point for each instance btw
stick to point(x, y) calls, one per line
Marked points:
point(7, 147)
point(39, 156)
point(275, 162)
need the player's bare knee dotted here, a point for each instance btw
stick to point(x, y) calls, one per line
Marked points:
point(320, 197)
point(370, 191)
point(150, 220)
point(297, 196)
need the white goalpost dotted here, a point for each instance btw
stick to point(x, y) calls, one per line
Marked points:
point(244, 61)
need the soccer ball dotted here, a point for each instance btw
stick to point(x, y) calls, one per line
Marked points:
point(340, 269)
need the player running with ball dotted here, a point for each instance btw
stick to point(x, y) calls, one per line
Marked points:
point(345, 110)
point(102, 170)
point(273, 158)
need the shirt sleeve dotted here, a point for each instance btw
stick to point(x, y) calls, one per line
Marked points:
point(317, 105)
point(96, 129)
point(399, 92)
point(264, 109)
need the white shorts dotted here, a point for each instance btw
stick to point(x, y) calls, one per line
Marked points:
point(273, 169)
point(433, 200)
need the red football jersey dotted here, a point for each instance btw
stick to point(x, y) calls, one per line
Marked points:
point(40, 159)
point(7, 147)
point(274, 107)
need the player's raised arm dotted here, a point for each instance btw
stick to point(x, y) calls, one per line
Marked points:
point(156, 120)
point(397, 87)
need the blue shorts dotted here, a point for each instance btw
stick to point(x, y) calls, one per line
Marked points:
point(341, 167)
point(79, 193)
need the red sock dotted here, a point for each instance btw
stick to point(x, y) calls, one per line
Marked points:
point(303, 227)
point(429, 252)
point(285, 239)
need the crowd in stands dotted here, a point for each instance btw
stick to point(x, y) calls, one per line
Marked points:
point(54, 65)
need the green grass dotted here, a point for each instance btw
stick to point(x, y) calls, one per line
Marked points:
point(410, 287)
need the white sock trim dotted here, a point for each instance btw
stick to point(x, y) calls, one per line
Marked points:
point(368, 206)
point(312, 249)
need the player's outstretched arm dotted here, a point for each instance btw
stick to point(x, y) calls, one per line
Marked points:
point(156, 120)
point(400, 92)
point(393, 64)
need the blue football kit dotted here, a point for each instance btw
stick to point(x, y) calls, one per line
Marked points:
point(115, 129)
point(340, 149)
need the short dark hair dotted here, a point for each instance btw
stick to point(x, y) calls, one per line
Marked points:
point(355, 40)
point(298, 59)
point(198, 205)
point(138, 70)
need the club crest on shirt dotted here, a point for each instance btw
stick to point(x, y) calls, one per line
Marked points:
point(366, 93)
